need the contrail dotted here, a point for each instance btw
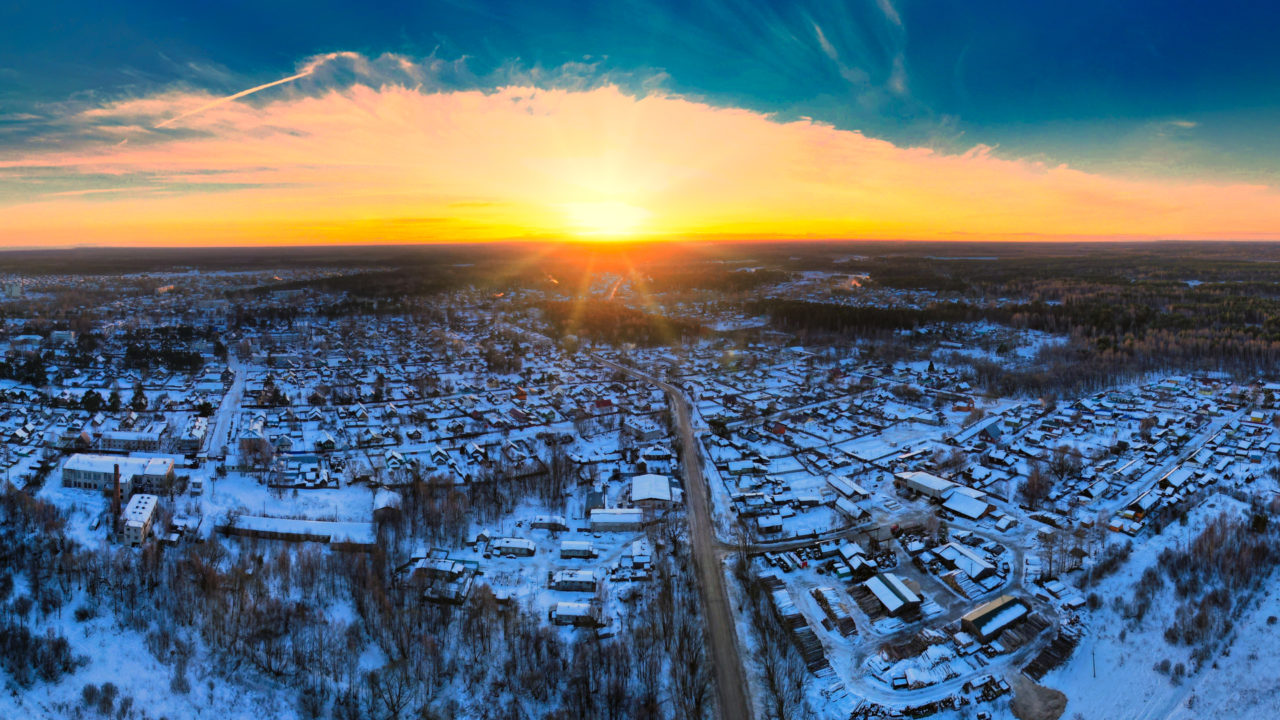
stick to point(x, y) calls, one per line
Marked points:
point(237, 96)
point(307, 69)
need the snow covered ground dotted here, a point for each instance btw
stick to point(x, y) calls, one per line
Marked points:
point(1112, 673)
point(121, 657)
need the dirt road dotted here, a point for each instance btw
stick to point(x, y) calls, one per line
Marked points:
point(722, 638)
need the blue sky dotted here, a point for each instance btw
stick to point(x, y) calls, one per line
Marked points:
point(1156, 86)
point(229, 121)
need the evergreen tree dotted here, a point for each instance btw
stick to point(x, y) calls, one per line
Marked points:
point(139, 401)
point(91, 401)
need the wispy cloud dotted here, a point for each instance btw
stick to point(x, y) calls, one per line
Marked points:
point(96, 191)
point(854, 75)
point(890, 12)
point(328, 161)
point(898, 76)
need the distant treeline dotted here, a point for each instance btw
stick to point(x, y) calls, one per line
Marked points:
point(1112, 333)
point(818, 317)
point(380, 283)
point(713, 277)
point(131, 260)
point(615, 323)
point(1056, 274)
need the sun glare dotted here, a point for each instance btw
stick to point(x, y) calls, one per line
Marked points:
point(605, 220)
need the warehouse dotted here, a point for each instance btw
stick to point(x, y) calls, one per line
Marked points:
point(893, 594)
point(923, 483)
point(986, 622)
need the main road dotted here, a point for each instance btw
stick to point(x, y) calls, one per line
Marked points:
point(722, 636)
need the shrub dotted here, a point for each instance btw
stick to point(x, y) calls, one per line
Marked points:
point(28, 657)
point(107, 698)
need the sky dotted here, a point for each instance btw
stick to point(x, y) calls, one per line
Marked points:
point(229, 122)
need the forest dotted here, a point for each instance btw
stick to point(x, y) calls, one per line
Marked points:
point(615, 323)
point(234, 609)
point(1122, 314)
point(1214, 577)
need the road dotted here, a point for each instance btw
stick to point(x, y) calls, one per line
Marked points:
point(722, 636)
point(219, 433)
point(1151, 479)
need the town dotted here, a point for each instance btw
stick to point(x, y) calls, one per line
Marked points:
point(614, 487)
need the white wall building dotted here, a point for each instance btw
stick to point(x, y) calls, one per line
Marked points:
point(97, 472)
point(139, 514)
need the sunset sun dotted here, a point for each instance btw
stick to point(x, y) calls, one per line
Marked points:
point(608, 220)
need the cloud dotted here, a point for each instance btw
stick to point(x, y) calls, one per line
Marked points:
point(854, 75)
point(825, 44)
point(890, 12)
point(898, 76)
point(332, 158)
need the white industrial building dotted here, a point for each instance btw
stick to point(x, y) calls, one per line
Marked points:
point(97, 472)
point(139, 514)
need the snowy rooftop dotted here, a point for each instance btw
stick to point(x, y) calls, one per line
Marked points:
point(140, 508)
point(129, 466)
point(650, 487)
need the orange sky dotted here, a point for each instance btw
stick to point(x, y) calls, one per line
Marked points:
point(393, 164)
